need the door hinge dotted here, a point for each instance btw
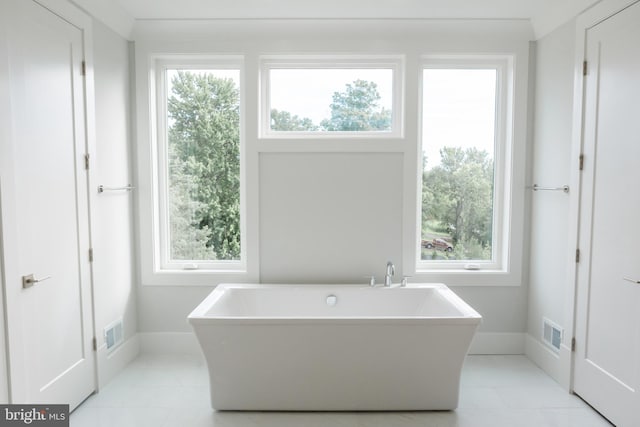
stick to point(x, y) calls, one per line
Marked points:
point(95, 344)
point(573, 344)
point(91, 255)
point(584, 68)
point(577, 255)
point(86, 161)
point(83, 68)
point(581, 161)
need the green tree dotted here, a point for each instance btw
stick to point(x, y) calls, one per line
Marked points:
point(357, 109)
point(188, 240)
point(204, 167)
point(458, 193)
point(285, 121)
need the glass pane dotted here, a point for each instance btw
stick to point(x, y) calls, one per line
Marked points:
point(203, 119)
point(458, 143)
point(330, 100)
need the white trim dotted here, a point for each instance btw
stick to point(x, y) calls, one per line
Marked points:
point(161, 237)
point(584, 22)
point(4, 347)
point(169, 343)
point(112, 363)
point(502, 140)
point(544, 21)
point(5, 138)
point(498, 343)
point(357, 61)
point(110, 13)
point(507, 269)
point(70, 13)
point(556, 365)
point(154, 270)
point(600, 12)
point(411, 39)
point(187, 343)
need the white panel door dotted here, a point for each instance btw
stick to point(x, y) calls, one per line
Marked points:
point(50, 324)
point(607, 360)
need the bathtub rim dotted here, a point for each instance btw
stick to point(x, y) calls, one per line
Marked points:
point(199, 315)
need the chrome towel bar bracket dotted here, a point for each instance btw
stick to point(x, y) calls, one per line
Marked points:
point(564, 188)
point(102, 188)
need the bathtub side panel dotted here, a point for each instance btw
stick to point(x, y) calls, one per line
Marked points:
point(334, 366)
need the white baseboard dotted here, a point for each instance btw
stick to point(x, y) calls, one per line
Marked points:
point(186, 343)
point(498, 343)
point(169, 343)
point(111, 363)
point(556, 365)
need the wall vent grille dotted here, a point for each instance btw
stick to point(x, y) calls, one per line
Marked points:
point(552, 334)
point(113, 335)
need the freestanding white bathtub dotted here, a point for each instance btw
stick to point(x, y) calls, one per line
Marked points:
point(334, 347)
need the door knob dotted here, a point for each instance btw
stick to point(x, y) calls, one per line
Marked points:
point(29, 280)
point(631, 280)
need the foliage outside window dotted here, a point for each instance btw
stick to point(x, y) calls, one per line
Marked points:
point(330, 98)
point(459, 147)
point(202, 161)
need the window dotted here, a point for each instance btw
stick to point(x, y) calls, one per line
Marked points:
point(199, 166)
point(463, 146)
point(328, 96)
point(206, 129)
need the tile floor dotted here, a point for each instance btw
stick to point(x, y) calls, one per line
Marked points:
point(172, 391)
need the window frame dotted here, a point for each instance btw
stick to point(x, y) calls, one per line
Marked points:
point(515, 54)
point(159, 141)
point(272, 62)
point(503, 167)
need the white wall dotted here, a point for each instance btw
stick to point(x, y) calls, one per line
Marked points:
point(550, 216)
point(112, 221)
point(368, 189)
point(354, 218)
point(549, 15)
point(329, 217)
point(5, 109)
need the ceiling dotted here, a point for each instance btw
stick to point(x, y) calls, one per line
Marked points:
point(544, 15)
point(162, 9)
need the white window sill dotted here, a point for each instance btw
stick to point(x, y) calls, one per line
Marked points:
point(196, 277)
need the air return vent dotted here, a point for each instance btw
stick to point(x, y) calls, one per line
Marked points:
point(113, 335)
point(551, 334)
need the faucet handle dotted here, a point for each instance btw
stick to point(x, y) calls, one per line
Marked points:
point(372, 280)
point(404, 281)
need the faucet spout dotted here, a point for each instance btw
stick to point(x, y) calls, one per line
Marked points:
point(391, 270)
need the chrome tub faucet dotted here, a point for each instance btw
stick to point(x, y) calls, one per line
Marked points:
point(391, 270)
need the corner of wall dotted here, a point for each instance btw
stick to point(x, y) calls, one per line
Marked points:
point(115, 291)
point(497, 343)
point(110, 14)
point(557, 366)
point(169, 343)
point(551, 98)
point(112, 363)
